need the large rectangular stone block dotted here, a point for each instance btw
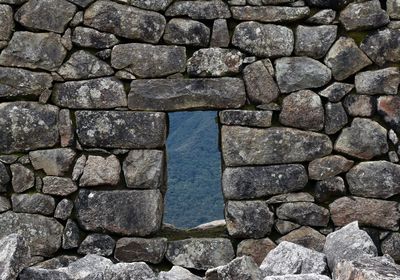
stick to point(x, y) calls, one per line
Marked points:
point(182, 94)
point(27, 126)
point(121, 129)
point(130, 213)
point(275, 145)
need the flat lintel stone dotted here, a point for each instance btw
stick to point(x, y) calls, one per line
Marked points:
point(121, 129)
point(182, 94)
point(276, 145)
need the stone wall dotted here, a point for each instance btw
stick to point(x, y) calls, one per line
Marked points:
point(309, 110)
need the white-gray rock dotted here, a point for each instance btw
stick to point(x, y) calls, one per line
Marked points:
point(290, 258)
point(240, 268)
point(178, 273)
point(14, 256)
point(54, 162)
point(100, 170)
point(383, 81)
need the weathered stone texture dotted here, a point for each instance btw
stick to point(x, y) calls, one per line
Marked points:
point(240, 268)
point(306, 237)
point(213, 9)
point(107, 129)
point(365, 139)
point(140, 249)
point(200, 253)
point(100, 93)
point(388, 107)
point(248, 219)
point(257, 182)
point(270, 13)
point(27, 126)
point(91, 38)
point(58, 186)
point(148, 61)
point(335, 117)
point(359, 105)
point(100, 170)
point(251, 146)
point(54, 162)
point(220, 36)
point(304, 213)
point(255, 248)
point(368, 212)
point(264, 40)
point(140, 215)
point(22, 178)
point(246, 118)
point(48, 15)
point(314, 41)
point(336, 91)
point(6, 22)
point(125, 21)
point(99, 244)
point(384, 81)
point(36, 203)
point(42, 234)
point(187, 32)
point(182, 94)
point(34, 50)
point(14, 256)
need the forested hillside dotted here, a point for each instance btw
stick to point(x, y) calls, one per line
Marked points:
point(194, 169)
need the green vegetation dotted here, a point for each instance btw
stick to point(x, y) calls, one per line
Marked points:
point(194, 170)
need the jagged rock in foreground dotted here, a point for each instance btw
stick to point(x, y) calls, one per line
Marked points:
point(348, 243)
point(290, 258)
point(312, 276)
point(14, 256)
point(378, 268)
point(240, 268)
point(177, 273)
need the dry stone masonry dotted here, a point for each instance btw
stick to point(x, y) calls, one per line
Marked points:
point(309, 113)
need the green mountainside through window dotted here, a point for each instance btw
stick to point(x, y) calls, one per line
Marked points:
point(194, 169)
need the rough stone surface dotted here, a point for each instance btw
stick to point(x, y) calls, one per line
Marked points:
point(66, 128)
point(270, 13)
point(329, 188)
point(364, 16)
point(100, 93)
point(71, 235)
point(18, 128)
point(91, 38)
point(14, 256)
point(177, 273)
point(42, 234)
point(220, 34)
point(22, 178)
point(296, 73)
point(99, 244)
point(58, 186)
point(107, 129)
point(289, 258)
point(182, 94)
point(214, 62)
point(82, 3)
point(393, 9)
point(4, 204)
point(6, 22)
point(246, 118)
point(261, 181)
point(240, 268)
point(359, 105)
point(143, 169)
point(16, 83)
point(248, 219)
point(154, 5)
point(314, 41)
point(260, 84)
point(200, 253)
point(33, 203)
point(348, 243)
point(244, 146)
point(100, 170)
point(141, 249)
point(390, 246)
point(64, 209)
point(376, 179)
point(365, 139)
point(125, 21)
point(48, 15)
point(302, 109)
point(306, 237)
point(368, 212)
point(148, 61)
point(255, 248)
point(378, 268)
point(121, 271)
point(83, 65)
point(187, 32)
point(140, 216)
point(338, 58)
point(34, 50)
point(304, 213)
point(384, 81)
point(199, 9)
point(264, 40)
point(326, 16)
point(309, 276)
point(329, 166)
point(336, 91)
point(335, 117)
point(382, 46)
point(54, 162)
point(291, 197)
point(388, 107)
